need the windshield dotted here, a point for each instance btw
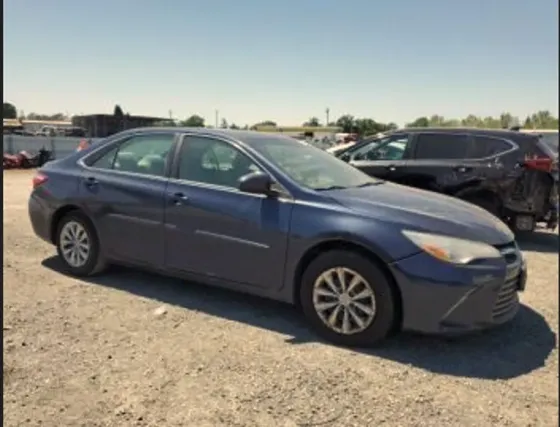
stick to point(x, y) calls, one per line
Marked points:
point(309, 166)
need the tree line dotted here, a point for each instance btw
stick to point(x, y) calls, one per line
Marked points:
point(367, 126)
point(347, 122)
point(9, 111)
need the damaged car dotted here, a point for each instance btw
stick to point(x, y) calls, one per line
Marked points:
point(511, 174)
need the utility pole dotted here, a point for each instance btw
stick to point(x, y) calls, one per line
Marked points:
point(217, 116)
point(327, 111)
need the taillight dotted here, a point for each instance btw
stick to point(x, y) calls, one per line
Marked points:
point(545, 164)
point(82, 145)
point(39, 180)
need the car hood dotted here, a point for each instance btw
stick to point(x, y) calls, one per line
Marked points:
point(424, 211)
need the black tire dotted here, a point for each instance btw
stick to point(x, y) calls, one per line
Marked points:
point(384, 318)
point(95, 263)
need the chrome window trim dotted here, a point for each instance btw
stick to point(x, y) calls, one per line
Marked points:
point(471, 137)
point(81, 161)
point(284, 195)
point(513, 145)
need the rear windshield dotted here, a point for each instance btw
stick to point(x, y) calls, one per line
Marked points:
point(550, 140)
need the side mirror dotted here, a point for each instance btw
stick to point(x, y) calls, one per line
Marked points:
point(257, 183)
point(345, 158)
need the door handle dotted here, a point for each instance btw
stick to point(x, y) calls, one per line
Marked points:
point(91, 182)
point(462, 169)
point(178, 198)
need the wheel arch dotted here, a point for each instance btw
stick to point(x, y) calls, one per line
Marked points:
point(61, 213)
point(347, 245)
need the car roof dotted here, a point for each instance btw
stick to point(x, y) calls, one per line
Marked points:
point(474, 131)
point(248, 136)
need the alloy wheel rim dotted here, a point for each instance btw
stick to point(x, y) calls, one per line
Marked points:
point(344, 301)
point(75, 244)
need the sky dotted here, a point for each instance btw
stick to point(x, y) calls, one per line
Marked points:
point(289, 60)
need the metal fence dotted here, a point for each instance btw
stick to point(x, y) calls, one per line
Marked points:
point(59, 146)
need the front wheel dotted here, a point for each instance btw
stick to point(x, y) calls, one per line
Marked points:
point(347, 299)
point(78, 246)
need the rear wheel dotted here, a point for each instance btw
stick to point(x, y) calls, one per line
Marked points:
point(78, 246)
point(347, 299)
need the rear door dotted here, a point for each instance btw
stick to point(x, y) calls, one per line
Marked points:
point(439, 161)
point(386, 158)
point(123, 187)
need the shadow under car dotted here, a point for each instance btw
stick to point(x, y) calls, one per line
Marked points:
point(508, 351)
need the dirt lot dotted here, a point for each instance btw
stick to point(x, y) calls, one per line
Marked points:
point(99, 353)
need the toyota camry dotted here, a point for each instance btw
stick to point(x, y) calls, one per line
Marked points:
point(273, 216)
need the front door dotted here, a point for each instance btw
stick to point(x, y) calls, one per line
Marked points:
point(213, 229)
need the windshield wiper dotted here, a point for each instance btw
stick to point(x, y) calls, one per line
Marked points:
point(332, 187)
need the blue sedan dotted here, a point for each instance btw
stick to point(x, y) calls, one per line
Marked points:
point(276, 217)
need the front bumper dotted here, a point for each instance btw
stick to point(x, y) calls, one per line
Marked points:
point(441, 298)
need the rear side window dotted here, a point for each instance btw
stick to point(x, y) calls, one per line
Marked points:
point(441, 146)
point(486, 146)
point(144, 154)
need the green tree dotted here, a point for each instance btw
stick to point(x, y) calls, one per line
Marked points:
point(507, 121)
point(119, 117)
point(265, 123)
point(224, 124)
point(346, 123)
point(420, 122)
point(544, 120)
point(471, 121)
point(9, 111)
point(366, 127)
point(194, 121)
point(312, 122)
point(233, 126)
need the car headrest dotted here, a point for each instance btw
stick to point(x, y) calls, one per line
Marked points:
point(126, 160)
point(152, 164)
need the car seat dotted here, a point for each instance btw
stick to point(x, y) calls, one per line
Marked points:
point(192, 169)
point(126, 162)
point(152, 164)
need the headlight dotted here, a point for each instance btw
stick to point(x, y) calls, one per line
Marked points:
point(451, 249)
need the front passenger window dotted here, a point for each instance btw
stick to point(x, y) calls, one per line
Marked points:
point(391, 148)
point(210, 161)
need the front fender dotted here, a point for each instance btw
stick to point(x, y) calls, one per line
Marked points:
point(314, 225)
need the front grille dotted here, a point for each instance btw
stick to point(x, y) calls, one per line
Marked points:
point(507, 296)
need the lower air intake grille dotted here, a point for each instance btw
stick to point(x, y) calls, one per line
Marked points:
point(507, 298)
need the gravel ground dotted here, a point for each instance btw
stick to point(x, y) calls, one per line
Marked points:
point(135, 349)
